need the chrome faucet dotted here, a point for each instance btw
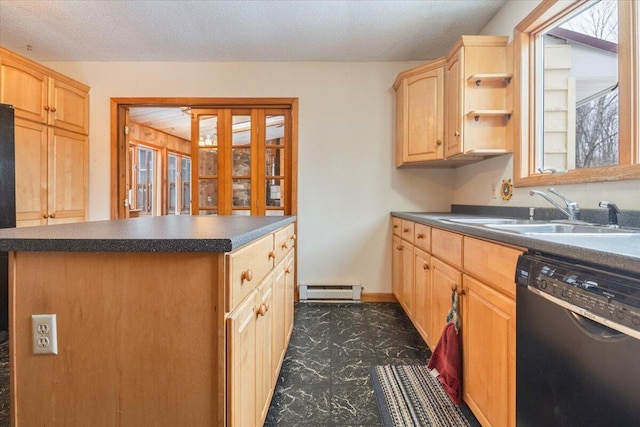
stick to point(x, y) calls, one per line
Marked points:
point(572, 211)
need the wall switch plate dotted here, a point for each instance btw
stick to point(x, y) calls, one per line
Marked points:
point(44, 333)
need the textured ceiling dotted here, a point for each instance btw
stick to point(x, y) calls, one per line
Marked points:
point(249, 30)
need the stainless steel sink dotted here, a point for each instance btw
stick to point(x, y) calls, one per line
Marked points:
point(552, 228)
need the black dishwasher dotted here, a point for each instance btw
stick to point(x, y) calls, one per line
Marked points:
point(577, 344)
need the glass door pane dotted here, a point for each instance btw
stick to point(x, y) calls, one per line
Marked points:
point(145, 188)
point(172, 183)
point(241, 164)
point(208, 153)
point(185, 178)
point(274, 164)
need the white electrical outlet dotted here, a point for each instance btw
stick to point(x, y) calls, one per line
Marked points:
point(45, 334)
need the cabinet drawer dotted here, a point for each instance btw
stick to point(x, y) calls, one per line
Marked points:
point(422, 237)
point(492, 263)
point(246, 268)
point(396, 225)
point(447, 246)
point(407, 230)
point(284, 241)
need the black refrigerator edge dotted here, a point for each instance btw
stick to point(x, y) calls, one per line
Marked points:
point(7, 205)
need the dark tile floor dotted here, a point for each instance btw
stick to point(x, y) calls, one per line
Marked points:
point(5, 415)
point(324, 379)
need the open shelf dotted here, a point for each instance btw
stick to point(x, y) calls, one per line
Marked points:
point(478, 78)
point(476, 114)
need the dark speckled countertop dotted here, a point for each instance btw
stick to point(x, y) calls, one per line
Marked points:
point(617, 251)
point(184, 233)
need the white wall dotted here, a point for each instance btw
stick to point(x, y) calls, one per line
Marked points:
point(347, 182)
point(473, 183)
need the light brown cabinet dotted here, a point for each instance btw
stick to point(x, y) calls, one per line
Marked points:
point(42, 95)
point(482, 273)
point(489, 331)
point(422, 293)
point(477, 111)
point(456, 110)
point(145, 338)
point(419, 114)
point(51, 127)
point(51, 174)
point(267, 307)
point(242, 363)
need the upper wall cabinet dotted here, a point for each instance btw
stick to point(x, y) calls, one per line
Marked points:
point(456, 110)
point(42, 95)
point(477, 110)
point(419, 114)
point(52, 124)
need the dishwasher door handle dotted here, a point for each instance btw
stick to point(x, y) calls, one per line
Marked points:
point(580, 315)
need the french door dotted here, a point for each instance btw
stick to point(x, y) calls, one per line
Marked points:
point(243, 163)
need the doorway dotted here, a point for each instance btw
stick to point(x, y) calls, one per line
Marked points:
point(252, 149)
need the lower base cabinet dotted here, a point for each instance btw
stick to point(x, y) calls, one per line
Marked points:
point(258, 332)
point(482, 273)
point(489, 341)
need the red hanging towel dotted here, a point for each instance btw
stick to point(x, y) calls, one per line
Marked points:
point(447, 356)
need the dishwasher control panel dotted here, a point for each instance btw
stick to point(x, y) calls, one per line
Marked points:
point(593, 291)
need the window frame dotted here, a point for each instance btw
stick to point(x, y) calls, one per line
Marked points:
point(545, 15)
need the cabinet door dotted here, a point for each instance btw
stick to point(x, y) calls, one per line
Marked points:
point(69, 107)
point(443, 278)
point(264, 350)
point(290, 289)
point(396, 267)
point(241, 363)
point(67, 186)
point(31, 173)
point(489, 353)
point(422, 287)
point(454, 105)
point(25, 88)
point(407, 279)
point(278, 315)
point(400, 135)
point(423, 116)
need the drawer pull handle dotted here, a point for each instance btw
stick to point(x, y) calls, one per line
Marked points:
point(458, 290)
point(406, 230)
point(456, 133)
point(45, 216)
point(285, 246)
point(395, 226)
point(420, 236)
point(425, 266)
point(46, 108)
point(53, 109)
point(438, 142)
point(399, 247)
point(294, 237)
point(52, 215)
point(287, 270)
point(246, 275)
point(272, 254)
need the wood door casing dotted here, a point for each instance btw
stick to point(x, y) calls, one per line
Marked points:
point(118, 147)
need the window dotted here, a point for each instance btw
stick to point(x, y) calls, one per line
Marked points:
point(178, 185)
point(576, 101)
point(145, 179)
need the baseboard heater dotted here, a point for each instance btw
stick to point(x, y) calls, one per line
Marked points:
point(330, 292)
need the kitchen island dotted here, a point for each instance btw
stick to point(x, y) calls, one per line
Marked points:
point(152, 324)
